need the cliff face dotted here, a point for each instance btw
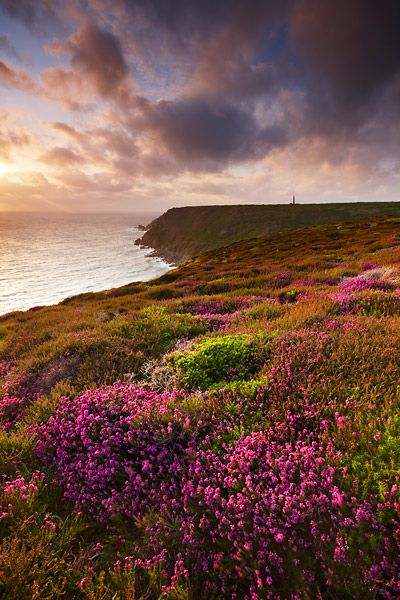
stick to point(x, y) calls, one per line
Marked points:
point(181, 233)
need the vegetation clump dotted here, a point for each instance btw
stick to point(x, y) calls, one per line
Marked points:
point(215, 360)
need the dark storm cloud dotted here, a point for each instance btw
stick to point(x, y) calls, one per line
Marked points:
point(351, 45)
point(195, 128)
point(349, 57)
point(327, 64)
point(210, 132)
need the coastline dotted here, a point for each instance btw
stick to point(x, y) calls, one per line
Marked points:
point(182, 233)
point(58, 257)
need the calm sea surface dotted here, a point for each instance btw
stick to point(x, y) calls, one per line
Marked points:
point(45, 258)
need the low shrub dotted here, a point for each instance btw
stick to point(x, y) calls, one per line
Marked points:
point(219, 359)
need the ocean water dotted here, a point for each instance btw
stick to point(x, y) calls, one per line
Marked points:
point(45, 258)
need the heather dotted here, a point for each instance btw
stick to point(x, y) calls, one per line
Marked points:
point(230, 430)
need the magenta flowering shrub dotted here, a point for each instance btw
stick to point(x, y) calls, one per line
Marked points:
point(368, 303)
point(11, 411)
point(15, 396)
point(280, 280)
point(265, 519)
point(13, 491)
point(368, 266)
point(359, 284)
point(215, 321)
point(23, 488)
point(117, 449)
point(190, 283)
point(5, 367)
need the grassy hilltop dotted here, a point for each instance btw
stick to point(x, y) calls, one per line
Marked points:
point(182, 233)
point(229, 430)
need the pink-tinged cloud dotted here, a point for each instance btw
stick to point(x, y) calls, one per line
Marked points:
point(61, 157)
point(10, 140)
point(97, 55)
point(15, 78)
point(67, 87)
point(67, 130)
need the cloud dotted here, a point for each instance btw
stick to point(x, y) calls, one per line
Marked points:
point(209, 132)
point(200, 129)
point(348, 56)
point(12, 137)
point(59, 84)
point(352, 46)
point(67, 130)
point(12, 77)
point(64, 85)
point(96, 54)
point(61, 157)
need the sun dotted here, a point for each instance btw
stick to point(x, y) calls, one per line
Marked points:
point(4, 169)
point(7, 168)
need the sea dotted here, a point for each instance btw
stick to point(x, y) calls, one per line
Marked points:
point(45, 258)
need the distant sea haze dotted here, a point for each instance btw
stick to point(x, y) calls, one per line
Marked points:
point(45, 258)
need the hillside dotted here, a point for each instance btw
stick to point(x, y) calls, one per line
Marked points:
point(182, 233)
point(229, 430)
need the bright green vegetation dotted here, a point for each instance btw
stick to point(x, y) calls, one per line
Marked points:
point(218, 360)
point(182, 233)
point(248, 441)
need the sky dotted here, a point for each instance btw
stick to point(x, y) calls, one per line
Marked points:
point(124, 105)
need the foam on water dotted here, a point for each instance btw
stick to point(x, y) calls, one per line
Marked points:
point(45, 258)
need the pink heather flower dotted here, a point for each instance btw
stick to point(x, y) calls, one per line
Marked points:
point(279, 537)
point(337, 498)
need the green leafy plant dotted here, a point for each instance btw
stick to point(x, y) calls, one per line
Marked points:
point(217, 359)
